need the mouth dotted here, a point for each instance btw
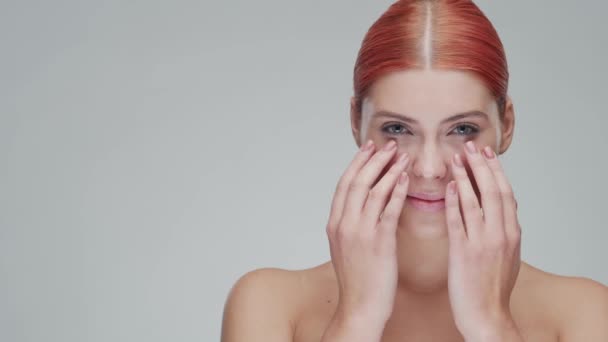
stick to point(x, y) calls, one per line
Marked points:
point(425, 202)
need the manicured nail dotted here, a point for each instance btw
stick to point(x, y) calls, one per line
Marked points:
point(390, 145)
point(471, 147)
point(402, 158)
point(452, 188)
point(368, 145)
point(488, 153)
point(458, 160)
point(403, 178)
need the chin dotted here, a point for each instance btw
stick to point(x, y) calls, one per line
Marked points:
point(423, 224)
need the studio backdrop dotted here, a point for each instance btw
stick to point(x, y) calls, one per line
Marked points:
point(152, 152)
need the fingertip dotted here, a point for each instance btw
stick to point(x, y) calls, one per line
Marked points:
point(488, 153)
point(403, 178)
point(452, 190)
point(457, 160)
point(368, 146)
point(451, 194)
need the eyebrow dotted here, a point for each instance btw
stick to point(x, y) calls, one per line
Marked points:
point(457, 116)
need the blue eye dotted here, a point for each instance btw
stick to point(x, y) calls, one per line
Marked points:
point(403, 130)
point(461, 129)
point(465, 129)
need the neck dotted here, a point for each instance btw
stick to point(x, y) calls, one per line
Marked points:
point(422, 312)
point(422, 259)
point(422, 297)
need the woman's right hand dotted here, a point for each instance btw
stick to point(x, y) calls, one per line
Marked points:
point(362, 234)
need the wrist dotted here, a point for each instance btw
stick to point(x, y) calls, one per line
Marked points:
point(354, 327)
point(361, 319)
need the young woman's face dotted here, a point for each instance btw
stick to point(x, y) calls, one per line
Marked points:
point(431, 114)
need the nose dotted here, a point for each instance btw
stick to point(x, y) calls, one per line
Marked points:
point(428, 162)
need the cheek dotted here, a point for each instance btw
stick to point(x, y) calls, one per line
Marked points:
point(472, 180)
point(453, 146)
point(444, 149)
point(487, 138)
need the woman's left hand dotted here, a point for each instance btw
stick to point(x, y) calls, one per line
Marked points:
point(484, 252)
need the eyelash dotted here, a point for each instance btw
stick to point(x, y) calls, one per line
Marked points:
point(473, 128)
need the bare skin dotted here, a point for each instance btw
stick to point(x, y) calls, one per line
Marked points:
point(298, 306)
point(274, 305)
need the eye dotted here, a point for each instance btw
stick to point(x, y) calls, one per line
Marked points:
point(395, 129)
point(465, 129)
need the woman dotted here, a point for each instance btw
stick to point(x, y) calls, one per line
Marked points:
point(423, 228)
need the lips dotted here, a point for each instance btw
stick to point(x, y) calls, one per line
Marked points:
point(426, 202)
point(426, 196)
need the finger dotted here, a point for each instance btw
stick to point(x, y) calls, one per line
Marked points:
point(488, 189)
point(468, 200)
point(392, 211)
point(456, 230)
point(361, 184)
point(509, 203)
point(378, 196)
point(337, 205)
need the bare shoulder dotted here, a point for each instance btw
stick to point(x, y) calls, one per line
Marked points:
point(578, 306)
point(264, 304)
point(583, 307)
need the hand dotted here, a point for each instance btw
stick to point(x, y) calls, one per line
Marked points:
point(484, 252)
point(362, 234)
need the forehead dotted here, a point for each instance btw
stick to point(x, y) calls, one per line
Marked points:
point(430, 94)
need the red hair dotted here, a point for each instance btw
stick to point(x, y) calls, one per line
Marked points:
point(442, 34)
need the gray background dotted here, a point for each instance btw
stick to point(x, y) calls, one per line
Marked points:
point(153, 152)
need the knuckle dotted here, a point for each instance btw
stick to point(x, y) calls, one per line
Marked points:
point(346, 231)
point(492, 191)
point(402, 188)
point(341, 235)
point(513, 240)
point(340, 226)
point(470, 206)
point(508, 193)
point(342, 185)
point(375, 194)
point(331, 229)
point(357, 184)
point(515, 236)
point(510, 200)
point(388, 215)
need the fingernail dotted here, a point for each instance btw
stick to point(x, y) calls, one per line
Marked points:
point(458, 160)
point(368, 145)
point(390, 145)
point(402, 158)
point(471, 147)
point(488, 153)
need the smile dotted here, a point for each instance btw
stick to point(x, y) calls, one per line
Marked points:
point(426, 205)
